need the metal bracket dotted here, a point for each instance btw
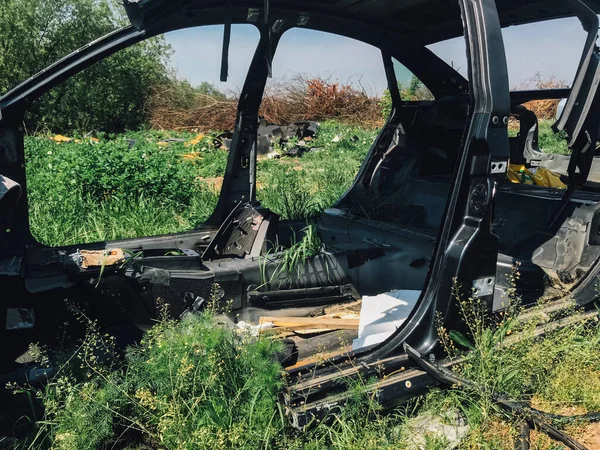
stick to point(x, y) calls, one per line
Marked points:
point(498, 167)
point(303, 19)
point(483, 286)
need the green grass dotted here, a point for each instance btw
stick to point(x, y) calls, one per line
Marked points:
point(88, 192)
point(558, 373)
point(188, 385)
point(196, 385)
point(290, 262)
point(550, 142)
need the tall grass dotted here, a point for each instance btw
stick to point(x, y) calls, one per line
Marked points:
point(188, 385)
point(299, 188)
point(290, 263)
point(83, 219)
point(558, 372)
point(550, 142)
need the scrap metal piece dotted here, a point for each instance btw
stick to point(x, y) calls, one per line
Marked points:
point(10, 193)
point(154, 275)
point(253, 15)
point(303, 19)
point(226, 42)
point(20, 319)
point(483, 286)
point(499, 167)
point(11, 266)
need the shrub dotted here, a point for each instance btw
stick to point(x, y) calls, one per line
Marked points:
point(188, 385)
point(415, 91)
point(111, 96)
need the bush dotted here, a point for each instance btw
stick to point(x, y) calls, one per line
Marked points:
point(188, 385)
point(110, 96)
point(557, 372)
point(415, 91)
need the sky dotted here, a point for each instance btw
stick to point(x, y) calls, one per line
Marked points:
point(552, 48)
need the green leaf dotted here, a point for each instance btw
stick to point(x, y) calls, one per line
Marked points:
point(458, 337)
point(510, 375)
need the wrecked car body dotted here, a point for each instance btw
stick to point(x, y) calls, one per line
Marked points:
point(430, 206)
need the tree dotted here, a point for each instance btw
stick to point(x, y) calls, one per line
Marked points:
point(111, 95)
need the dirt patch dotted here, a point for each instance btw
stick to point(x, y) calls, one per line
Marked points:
point(542, 405)
point(590, 436)
point(214, 183)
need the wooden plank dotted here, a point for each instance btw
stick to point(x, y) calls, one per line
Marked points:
point(311, 322)
point(321, 357)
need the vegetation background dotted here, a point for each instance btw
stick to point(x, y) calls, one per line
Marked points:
point(141, 159)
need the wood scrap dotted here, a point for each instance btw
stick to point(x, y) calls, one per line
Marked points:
point(311, 331)
point(99, 258)
point(319, 358)
point(298, 323)
point(338, 309)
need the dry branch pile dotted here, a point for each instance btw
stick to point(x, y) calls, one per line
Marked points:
point(544, 109)
point(172, 109)
point(299, 99)
point(285, 102)
point(318, 99)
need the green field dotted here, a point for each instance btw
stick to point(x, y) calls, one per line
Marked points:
point(93, 191)
point(86, 191)
point(195, 385)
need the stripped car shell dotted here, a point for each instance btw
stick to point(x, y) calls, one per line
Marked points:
point(472, 228)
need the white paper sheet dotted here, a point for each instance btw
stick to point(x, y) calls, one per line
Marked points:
point(382, 314)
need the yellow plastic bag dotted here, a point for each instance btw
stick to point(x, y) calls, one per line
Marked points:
point(545, 177)
point(518, 173)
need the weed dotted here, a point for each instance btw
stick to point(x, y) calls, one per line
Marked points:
point(290, 263)
point(550, 142)
point(128, 185)
point(554, 371)
point(187, 385)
